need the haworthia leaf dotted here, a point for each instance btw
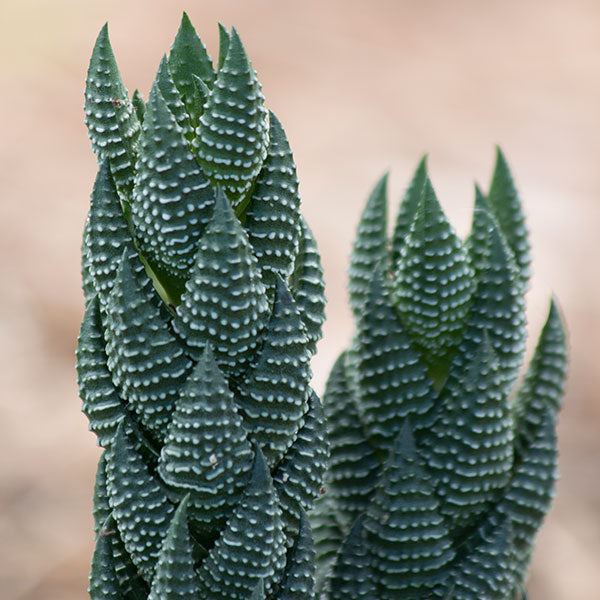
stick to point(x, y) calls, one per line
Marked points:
point(298, 581)
point(132, 584)
point(87, 281)
point(175, 578)
point(433, 281)
point(543, 385)
point(487, 571)
point(352, 576)
point(139, 504)
point(506, 205)
point(147, 362)
point(274, 394)
point(102, 404)
point(478, 241)
point(406, 533)
point(110, 117)
point(408, 210)
point(252, 545)
point(308, 286)
point(189, 59)
point(199, 101)
point(173, 200)
point(174, 101)
point(353, 466)
point(233, 134)
point(206, 451)
point(273, 214)
point(107, 232)
point(392, 381)
point(299, 475)
point(370, 246)
point(328, 534)
point(139, 105)
point(527, 498)
point(104, 584)
point(224, 302)
point(224, 37)
point(259, 591)
point(101, 510)
point(470, 449)
point(498, 305)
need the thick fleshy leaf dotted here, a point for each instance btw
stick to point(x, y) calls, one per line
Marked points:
point(189, 59)
point(392, 380)
point(164, 82)
point(470, 446)
point(353, 465)
point(408, 210)
point(233, 134)
point(506, 205)
point(543, 385)
point(173, 200)
point(139, 105)
point(298, 581)
point(252, 545)
point(175, 578)
point(102, 404)
point(406, 533)
point(299, 476)
point(224, 302)
point(107, 233)
point(352, 576)
point(146, 361)
point(486, 571)
point(273, 215)
point(206, 452)
point(308, 286)
point(104, 584)
point(369, 248)
point(498, 305)
point(101, 510)
point(132, 583)
point(433, 282)
point(139, 504)
point(224, 37)
point(110, 117)
point(274, 394)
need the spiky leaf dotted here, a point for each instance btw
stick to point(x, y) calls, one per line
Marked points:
point(233, 132)
point(164, 82)
point(369, 248)
point(206, 451)
point(224, 302)
point(110, 117)
point(104, 584)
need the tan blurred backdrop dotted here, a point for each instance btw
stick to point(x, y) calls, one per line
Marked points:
point(360, 87)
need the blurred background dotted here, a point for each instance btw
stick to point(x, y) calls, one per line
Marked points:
point(361, 87)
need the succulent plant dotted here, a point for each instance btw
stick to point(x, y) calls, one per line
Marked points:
point(204, 303)
point(442, 467)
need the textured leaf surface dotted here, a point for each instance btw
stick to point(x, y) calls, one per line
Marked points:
point(173, 200)
point(139, 504)
point(369, 248)
point(146, 360)
point(224, 302)
point(506, 205)
point(251, 547)
point(273, 216)
point(433, 281)
point(308, 286)
point(107, 232)
point(206, 452)
point(175, 578)
point(353, 466)
point(274, 394)
point(299, 577)
point(233, 132)
point(102, 404)
point(110, 117)
point(392, 380)
point(104, 584)
point(405, 530)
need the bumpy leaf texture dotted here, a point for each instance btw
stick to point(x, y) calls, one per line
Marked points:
point(204, 304)
point(441, 472)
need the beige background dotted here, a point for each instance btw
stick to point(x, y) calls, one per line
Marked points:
point(360, 87)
